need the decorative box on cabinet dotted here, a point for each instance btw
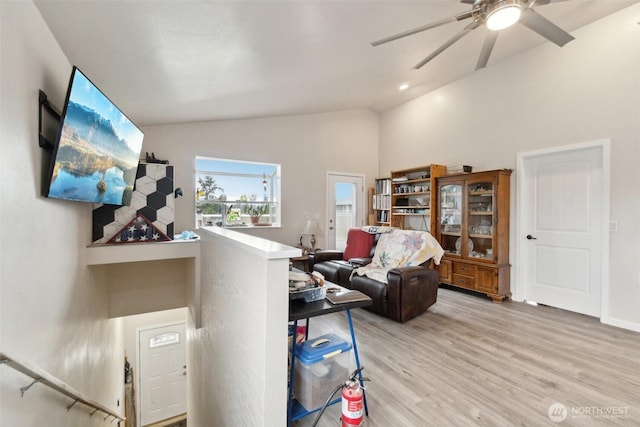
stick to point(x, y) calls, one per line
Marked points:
point(472, 227)
point(411, 201)
point(381, 201)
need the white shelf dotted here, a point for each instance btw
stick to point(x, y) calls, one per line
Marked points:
point(236, 202)
point(146, 251)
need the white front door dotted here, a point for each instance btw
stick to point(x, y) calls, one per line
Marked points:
point(163, 373)
point(345, 207)
point(563, 211)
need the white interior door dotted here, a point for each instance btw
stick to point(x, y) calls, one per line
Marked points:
point(345, 207)
point(163, 373)
point(564, 211)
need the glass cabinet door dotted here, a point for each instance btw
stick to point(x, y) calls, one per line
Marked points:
point(481, 220)
point(450, 217)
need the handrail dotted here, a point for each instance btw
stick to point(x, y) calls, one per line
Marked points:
point(58, 385)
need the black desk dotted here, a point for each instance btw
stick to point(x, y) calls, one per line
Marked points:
point(298, 310)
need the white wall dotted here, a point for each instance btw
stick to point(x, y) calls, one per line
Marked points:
point(307, 146)
point(588, 90)
point(238, 360)
point(53, 309)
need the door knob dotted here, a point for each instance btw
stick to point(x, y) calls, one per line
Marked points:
point(530, 237)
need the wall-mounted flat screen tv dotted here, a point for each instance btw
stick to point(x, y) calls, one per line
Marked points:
point(96, 154)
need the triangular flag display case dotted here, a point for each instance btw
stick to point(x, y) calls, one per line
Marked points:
point(153, 198)
point(140, 229)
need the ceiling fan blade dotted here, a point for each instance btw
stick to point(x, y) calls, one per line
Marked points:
point(544, 27)
point(543, 2)
point(458, 17)
point(487, 47)
point(472, 26)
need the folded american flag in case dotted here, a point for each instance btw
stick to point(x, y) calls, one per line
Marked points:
point(140, 229)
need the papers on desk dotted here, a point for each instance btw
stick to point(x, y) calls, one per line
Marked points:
point(306, 287)
point(343, 297)
point(298, 281)
point(295, 276)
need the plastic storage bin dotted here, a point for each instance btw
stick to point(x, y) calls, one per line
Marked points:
point(321, 365)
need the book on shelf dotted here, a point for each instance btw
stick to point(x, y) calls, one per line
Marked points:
point(381, 201)
point(383, 186)
point(383, 216)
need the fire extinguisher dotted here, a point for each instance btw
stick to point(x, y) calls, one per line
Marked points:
point(352, 402)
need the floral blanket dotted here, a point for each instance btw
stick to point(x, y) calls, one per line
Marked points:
point(401, 248)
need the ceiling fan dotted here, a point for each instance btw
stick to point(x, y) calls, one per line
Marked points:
point(495, 15)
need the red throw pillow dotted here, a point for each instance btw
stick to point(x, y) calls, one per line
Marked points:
point(358, 244)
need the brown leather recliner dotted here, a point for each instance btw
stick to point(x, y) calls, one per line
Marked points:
point(409, 292)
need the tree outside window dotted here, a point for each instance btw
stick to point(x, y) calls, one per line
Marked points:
point(237, 193)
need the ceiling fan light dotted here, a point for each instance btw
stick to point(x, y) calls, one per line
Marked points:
point(503, 14)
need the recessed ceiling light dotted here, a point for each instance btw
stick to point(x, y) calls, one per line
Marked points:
point(404, 86)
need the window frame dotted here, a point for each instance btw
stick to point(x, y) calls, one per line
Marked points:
point(240, 206)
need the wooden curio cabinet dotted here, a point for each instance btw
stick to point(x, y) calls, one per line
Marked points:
point(472, 226)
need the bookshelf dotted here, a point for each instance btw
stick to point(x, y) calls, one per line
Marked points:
point(411, 197)
point(381, 201)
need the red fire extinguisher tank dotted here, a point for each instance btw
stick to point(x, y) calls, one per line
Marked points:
point(352, 404)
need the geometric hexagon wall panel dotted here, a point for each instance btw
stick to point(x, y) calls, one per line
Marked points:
point(152, 197)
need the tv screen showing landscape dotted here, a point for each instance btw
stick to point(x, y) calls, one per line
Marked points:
point(97, 151)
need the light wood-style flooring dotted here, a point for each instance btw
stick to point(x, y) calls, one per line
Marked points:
point(177, 421)
point(470, 362)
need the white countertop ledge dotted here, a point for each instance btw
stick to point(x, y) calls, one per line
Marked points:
point(141, 251)
point(262, 247)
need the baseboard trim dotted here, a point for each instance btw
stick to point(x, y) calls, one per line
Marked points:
point(621, 323)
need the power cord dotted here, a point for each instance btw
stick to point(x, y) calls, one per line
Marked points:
point(335, 390)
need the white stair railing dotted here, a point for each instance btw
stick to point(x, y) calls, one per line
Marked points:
point(40, 377)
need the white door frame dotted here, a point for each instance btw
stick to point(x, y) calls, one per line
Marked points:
point(137, 375)
point(329, 203)
point(605, 147)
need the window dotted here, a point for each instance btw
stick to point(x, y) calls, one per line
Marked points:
point(161, 340)
point(232, 193)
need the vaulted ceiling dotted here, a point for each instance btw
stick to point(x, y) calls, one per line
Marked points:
point(182, 61)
